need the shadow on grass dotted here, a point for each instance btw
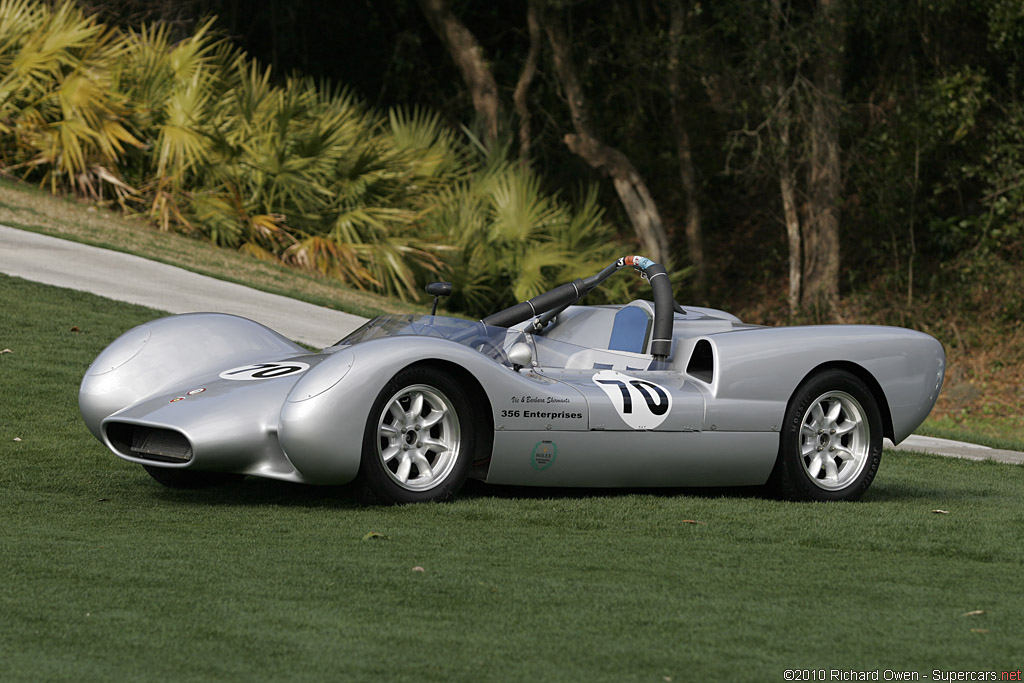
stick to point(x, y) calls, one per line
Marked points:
point(475, 489)
point(254, 491)
point(886, 493)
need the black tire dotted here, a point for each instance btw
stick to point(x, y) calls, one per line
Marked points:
point(176, 478)
point(831, 441)
point(420, 455)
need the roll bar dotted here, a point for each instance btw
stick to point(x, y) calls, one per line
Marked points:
point(549, 304)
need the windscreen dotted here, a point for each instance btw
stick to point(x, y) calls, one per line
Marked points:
point(491, 341)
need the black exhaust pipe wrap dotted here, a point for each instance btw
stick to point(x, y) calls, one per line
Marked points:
point(664, 306)
point(560, 297)
point(661, 289)
point(541, 303)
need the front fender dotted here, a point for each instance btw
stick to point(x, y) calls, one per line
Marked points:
point(324, 418)
point(161, 353)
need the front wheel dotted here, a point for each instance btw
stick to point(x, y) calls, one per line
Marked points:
point(419, 438)
point(831, 442)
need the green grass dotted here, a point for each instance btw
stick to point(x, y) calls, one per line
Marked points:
point(107, 576)
point(995, 432)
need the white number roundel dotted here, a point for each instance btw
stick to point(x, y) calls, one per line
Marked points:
point(265, 370)
point(640, 403)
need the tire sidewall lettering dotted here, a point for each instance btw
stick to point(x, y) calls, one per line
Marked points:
point(790, 478)
point(379, 484)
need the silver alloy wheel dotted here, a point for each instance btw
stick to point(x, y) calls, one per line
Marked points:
point(835, 440)
point(418, 437)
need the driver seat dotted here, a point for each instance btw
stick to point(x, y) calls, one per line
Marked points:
point(631, 328)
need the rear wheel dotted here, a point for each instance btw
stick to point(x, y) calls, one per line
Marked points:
point(831, 442)
point(419, 438)
point(177, 478)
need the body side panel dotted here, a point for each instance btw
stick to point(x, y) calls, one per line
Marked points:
point(646, 459)
point(684, 414)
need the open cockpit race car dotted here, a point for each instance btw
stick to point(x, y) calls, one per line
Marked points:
point(545, 393)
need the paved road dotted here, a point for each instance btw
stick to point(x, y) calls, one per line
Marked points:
point(136, 280)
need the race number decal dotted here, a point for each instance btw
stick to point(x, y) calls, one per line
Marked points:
point(265, 370)
point(640, 403)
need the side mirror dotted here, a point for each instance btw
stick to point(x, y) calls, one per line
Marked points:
point(438, 289)
point(520, 355)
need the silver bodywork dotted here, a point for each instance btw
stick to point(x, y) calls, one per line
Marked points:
point(221, 393)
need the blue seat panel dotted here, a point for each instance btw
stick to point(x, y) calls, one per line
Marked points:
point(631, 330)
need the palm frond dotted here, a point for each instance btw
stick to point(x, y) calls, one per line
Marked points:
point(296, 170)
point(324, 256)
point(531, 278)
point(520, 209)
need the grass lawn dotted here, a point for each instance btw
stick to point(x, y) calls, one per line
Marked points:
point(991, 431)
point(107, 576)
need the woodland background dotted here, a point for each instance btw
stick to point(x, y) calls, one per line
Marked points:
point(822, 160)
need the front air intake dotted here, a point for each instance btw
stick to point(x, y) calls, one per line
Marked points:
point(149, 443)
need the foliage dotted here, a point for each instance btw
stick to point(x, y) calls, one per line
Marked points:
point(999, 173)
point(60, 116)
point(933, 147)
point(928, 100)
point(198, 137)
point(513, 240)
point(35, 210)
point(202, 139)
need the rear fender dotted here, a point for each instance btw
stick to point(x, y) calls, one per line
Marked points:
point(757, 370)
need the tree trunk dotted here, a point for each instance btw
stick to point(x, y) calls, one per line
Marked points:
point(525, 79)
point(632, 190)
point(468, 56)
point(821, 231)
point(787, 176)
point(787, 188)
point(687, 174)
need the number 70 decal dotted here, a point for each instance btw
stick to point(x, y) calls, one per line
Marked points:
point(640, 403)
point(264, 370)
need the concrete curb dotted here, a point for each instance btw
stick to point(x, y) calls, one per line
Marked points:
point(955, 449)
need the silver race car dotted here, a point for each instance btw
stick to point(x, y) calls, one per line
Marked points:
point(545, 393)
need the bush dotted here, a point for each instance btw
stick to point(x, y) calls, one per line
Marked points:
point(199, 138)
